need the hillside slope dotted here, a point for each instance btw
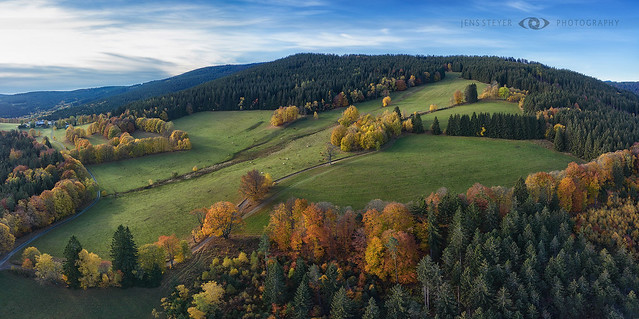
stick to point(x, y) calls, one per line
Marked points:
point(105, 99)
point(628, 86)
point(153, 88)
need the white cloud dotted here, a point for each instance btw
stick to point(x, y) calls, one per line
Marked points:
point(524, 6)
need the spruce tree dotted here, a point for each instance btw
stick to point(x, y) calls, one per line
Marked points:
point(470, 93)
point(397, 303)
point(124, 253)
point(372, 310)
point(302, 301)
point(274, 284)
point(560, 140)
point(70, 267)
point(341, 305)
point(418, 126)
point(520, 191)
point(429, 274)
point(329, 285)
point(435, 127)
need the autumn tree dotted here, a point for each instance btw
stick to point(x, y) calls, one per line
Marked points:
point(88, 265)
point(47, 269)
point(205, 303)
point(221, 219)
point(171, 245)
point(433, 108)
point(30, 253)
point(434, 128)
point(70, 265)
point(152, 258)
point(458, 97)
point(254, 185)
point(386, 101)
point(6, 238)
point(349, 116)
point(337, 135)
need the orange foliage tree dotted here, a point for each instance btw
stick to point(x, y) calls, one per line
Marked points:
point(254, 185)
point(171, 245)
point(221, 219)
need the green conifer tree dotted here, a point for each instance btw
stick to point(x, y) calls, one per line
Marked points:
point(70, 267)
point(435, 129)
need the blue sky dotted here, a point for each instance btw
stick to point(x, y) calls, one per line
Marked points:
point(61, 45)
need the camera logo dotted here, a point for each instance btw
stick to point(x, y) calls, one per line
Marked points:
point(534, 23)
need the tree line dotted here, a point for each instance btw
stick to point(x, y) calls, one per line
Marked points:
point(129, 266)
point(497, 125)
point(121, 144)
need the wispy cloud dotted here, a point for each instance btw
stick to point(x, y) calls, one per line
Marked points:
point(524, 6)
point(61, 44)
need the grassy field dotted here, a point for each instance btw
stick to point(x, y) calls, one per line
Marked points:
point(25, 298)
point(414, 166)
point(216, 137)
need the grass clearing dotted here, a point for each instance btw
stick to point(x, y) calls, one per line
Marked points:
point(216, 136)
point(25, 298)
point(417, 165)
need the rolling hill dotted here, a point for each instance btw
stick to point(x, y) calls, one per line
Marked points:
point(105, 99)
point(628, 86)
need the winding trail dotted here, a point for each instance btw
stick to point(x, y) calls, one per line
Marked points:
point(35, 235)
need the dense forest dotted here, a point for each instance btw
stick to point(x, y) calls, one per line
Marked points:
point(23, 169)
point(39, 186)
point(553, 246)
point(312, 82)
point(22, 104)
point(150, 89)
point(628, 86)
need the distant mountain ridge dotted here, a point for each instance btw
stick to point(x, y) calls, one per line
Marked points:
point(628, 86)
point(105, 99)
point(22, 104)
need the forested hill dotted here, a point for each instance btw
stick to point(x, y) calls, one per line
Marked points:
point(153, 88)
point(105, 99)
point(299, 79)
point(628, 86)
point(597, 117)
point(22, 104)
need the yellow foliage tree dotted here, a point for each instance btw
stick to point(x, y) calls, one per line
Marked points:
point(386, 101)
point(433, 107)
point(206, 301)
point(349, 116)
point(88, 264)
